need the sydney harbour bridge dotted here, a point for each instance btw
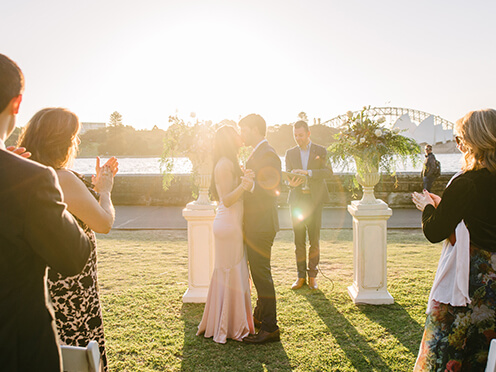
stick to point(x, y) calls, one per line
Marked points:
point(394, 113)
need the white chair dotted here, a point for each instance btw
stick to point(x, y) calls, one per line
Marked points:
point(81, 359)
point(491, 357)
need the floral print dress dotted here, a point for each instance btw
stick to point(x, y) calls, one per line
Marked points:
point(458, 338)
point(75, 299)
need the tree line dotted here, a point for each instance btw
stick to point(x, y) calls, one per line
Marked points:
point(124, 140)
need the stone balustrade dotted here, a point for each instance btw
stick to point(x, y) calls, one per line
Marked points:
point(145, 189)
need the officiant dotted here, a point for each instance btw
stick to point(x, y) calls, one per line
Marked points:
point(306, 197)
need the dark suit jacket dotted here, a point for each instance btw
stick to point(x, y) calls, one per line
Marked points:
point(321, 170)
point(260, 206)
point(36, 230)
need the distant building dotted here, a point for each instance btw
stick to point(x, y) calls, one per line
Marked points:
point(91, 126)
point(425, 132)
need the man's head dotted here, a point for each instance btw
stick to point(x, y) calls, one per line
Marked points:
point(428, 149)
point(11, 88)
point(301, 133)
point(253, 129)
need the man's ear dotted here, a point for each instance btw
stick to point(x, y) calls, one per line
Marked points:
point(15, 104)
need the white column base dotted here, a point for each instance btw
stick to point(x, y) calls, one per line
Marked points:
point(195, 295)
point(370, 253)
point(379, 297)
point(200, 251)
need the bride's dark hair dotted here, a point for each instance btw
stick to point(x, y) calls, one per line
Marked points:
point(226, 145)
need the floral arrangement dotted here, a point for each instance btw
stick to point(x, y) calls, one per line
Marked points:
point(187, 139)
point(371, 144)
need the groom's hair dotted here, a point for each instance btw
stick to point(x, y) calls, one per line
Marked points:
point(11, 81)
point(254, 121)
point(301, 124)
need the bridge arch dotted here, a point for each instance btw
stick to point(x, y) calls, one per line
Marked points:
point(394, 113)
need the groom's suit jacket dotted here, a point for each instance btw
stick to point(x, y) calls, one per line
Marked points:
point(36, 230)
point(321, 170)
point(260, 206)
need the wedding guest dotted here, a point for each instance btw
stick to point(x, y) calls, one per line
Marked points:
point(227, 311)
point(52, 137)
point(305, 200)
point(429, 169)
point(461, 318)
point(36, 230)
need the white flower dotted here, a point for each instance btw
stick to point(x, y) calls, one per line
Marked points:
point(349, 114)
point(378, 132)
point(362, 140)
point(493, 261)
point(358, 121)
point(397, 130)
point(481, 313)
point(382, 119)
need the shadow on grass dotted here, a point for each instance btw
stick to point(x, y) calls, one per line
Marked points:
point(203, 354)
point(398, 322)
point(354, 345)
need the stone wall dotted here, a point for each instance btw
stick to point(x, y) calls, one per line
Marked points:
point(142, 189)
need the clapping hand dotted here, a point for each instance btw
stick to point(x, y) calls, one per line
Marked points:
point(21, 151)
point(421, 200)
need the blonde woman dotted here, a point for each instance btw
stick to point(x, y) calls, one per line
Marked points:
point(456, 338)
point(52, 138)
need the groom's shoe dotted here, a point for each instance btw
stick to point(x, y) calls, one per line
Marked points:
point(312, 283)
point(298, 284)
point(263, 337)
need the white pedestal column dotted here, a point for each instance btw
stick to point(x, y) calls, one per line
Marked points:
point(200, 250)
point(370, 253)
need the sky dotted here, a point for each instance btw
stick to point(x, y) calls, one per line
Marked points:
point(224, 59)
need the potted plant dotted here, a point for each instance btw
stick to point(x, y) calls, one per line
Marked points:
point(374, 148)
point(194, 141)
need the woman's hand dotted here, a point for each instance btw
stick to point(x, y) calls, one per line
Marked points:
point(104, 180)
point(435, 198)
point(112, 163)
point(21, 151)
point(421, 200)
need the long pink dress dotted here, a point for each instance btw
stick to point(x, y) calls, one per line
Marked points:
point(228, 312)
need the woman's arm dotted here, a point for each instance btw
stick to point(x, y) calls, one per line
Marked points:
point(225, 183)
point(439, 222)
point(99, 216)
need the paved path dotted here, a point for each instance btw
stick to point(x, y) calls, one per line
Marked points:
point(170, 218)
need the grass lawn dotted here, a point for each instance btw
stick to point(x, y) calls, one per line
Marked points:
point(143, 275)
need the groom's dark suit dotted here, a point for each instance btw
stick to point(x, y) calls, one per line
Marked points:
point(36, 230)
point(260, 226)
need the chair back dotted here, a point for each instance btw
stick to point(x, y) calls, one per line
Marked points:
point(81, 359)
point(491, 357)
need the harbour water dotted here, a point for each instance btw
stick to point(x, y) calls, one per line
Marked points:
point(450, 163)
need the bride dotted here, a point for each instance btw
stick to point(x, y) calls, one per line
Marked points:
point(228, 311)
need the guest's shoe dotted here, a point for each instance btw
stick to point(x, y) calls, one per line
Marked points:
point(263, 337)
point(298, 284)
point(312, 283)
point(257, 323)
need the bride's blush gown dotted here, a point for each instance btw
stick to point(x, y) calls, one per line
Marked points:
point(228, 312)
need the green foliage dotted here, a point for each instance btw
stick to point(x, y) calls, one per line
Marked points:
point(371, 144)
point(115, 120)
point(12, 140)
point(192, 140)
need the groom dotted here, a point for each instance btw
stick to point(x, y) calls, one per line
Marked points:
point(260, 224)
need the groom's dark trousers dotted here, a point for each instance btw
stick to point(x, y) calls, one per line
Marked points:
point(261, 224)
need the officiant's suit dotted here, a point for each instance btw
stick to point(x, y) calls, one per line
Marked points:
point(306, 205)
point(260, 226)
point(36, 230)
